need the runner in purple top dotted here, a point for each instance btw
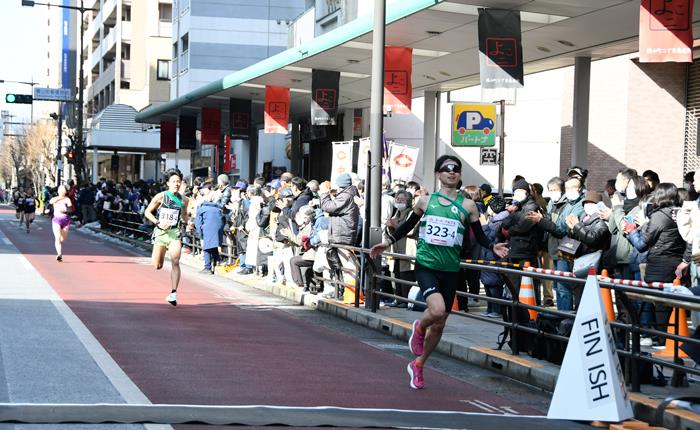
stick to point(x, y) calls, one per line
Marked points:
point(60, 223)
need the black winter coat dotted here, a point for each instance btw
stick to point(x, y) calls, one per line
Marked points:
point(524, 236)
point(593, 233)
point(666, 246)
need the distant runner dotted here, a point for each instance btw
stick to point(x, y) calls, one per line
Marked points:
point(29, 208)
point(60, 223)
point(445, 218)
point(166, 234)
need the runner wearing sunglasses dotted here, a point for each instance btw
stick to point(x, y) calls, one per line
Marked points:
point(445, 218)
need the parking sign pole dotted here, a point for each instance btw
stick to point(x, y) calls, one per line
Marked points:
point(502, 148)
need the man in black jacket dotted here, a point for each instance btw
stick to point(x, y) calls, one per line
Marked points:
point(302, 194)
point(522, 234)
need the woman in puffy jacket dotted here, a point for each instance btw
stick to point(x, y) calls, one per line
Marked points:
point(658, 234)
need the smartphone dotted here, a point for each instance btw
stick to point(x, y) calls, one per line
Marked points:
point(601, 206)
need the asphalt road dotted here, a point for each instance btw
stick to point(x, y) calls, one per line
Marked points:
point(224, 344)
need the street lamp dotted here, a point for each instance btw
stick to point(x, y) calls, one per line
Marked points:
point(80, 150)
point(32, 83)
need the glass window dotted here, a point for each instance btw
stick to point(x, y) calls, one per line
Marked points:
point(165, 12)
point(163, 70)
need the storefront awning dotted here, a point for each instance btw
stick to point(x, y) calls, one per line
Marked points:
point(443, 35)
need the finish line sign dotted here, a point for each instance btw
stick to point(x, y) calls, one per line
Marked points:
point(53, 94)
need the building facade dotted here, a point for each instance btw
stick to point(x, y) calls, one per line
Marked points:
point(212, 38)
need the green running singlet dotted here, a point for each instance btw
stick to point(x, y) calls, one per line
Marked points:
point(441, 235)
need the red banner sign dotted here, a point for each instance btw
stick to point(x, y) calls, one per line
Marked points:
point(276, 109)
point(227, 154)
point(666, 31)
point(168, 139)
point(211, 126)
point(398, 89)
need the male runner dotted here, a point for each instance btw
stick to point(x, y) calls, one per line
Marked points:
point(166, 234)
point(445, 218)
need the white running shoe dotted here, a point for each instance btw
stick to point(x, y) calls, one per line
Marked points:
point(172, 299)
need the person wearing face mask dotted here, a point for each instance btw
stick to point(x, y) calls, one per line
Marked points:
point(557, 202)
point(621, 255)
point(403, 269)
point(558, 228)
point(591, 230)
point(522, 233)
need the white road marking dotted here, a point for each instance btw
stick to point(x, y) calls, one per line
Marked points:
point(7, 241)
point(489, 410)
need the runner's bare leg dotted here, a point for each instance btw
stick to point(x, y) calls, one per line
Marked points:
point(175, 251)
point(432, 324)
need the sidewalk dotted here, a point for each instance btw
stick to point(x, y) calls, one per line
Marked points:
point(465, 339)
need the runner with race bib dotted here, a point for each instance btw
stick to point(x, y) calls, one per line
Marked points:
point(445, 218)
point(166, 234)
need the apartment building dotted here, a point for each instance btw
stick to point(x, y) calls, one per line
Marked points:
point(213, 38)
point(127, 53)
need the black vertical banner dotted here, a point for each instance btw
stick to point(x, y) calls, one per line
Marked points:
point(500, 49)
point(325, 87)
point(240, 111)
point(188, 132)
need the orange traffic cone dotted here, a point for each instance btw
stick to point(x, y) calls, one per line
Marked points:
point(682, 330)
point(527, 295)
point(607, 298)
point(455, 304)
point(350, 291)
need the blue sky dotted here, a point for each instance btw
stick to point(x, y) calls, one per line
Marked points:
point(22, 50)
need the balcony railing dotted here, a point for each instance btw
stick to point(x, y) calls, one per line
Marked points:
point(173, 68)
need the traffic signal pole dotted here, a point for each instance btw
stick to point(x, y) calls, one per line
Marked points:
point(59, 160)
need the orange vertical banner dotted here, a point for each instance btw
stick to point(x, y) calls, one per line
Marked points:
point(276, 109)
point(398, 89)
point(666, 31)
point(211, 126)
point(168, 139)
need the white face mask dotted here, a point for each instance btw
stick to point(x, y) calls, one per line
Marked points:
point(618, 187)
point(590, 208)
point(631, 193)
point(400, 206)
point(519, 196)
point(572, 195)
point(555, 195)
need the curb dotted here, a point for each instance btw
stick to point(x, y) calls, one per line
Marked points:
point(538, 373)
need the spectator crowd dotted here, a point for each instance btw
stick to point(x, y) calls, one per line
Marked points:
point(637, 228)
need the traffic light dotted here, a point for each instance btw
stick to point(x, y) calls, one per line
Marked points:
point(18, 98)
point(70, 155)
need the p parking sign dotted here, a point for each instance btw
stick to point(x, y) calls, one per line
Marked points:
point(474, 124)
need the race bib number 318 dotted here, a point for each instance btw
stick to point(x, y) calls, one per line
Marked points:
point(168, 216)
point(440, 231)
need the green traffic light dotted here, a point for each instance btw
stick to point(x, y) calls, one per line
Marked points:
point(10, 98)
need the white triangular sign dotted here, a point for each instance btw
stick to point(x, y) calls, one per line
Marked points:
point(590, 385)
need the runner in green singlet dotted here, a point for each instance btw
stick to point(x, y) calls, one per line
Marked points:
point(445, 218)
point(166, 234)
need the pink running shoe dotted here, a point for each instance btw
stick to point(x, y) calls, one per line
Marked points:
point(416, 373)
point(415, 342)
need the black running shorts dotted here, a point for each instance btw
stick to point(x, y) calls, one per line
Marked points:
point(437, 281)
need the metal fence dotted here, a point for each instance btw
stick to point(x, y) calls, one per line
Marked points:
point(630, 329)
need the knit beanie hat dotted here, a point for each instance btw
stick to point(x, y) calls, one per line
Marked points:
point(521, 184)
point(344, 180)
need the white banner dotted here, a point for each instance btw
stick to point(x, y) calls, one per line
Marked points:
point(402, 161)
point(362, 160)
point(342, 159)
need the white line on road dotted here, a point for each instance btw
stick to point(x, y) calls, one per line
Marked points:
point(489, 410)
point(7, 241)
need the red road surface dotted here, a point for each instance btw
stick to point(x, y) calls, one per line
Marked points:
point(208, 350)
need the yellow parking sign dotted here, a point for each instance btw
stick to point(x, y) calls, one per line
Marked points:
point(474, 124)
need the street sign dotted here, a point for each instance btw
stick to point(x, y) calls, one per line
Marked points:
point(474, 124)
point(53, 94)
point(488, 157)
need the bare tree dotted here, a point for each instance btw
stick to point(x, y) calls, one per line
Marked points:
point(6, 166)
point(18, 157)
point(40, 145)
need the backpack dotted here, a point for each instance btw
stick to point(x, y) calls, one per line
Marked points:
point(525, 339)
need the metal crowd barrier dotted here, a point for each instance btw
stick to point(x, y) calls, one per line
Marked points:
point(133, 224)
point(624, 291)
